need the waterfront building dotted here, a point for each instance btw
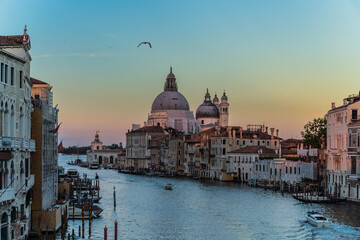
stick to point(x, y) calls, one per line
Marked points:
point(259, 163)
point(343, 149)
point(46, 213)
point(171, 109)
point(108, 158)
point(138, 153)
point(206, 152)
point(15, 136)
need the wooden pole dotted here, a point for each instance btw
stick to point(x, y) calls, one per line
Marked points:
point(68, 236)
point(105, 233)
point(116, 223)
point(90, 215)
point(39, 226)
point(73, 234)
point(83, 220)
point(114, 198)
point(79, 231)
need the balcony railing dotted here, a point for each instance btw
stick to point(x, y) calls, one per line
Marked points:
point(12, 143)
point(29, 182)
point(7, 195)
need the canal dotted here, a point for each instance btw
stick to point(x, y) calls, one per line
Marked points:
point(207, 210)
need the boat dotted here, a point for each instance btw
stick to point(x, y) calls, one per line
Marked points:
point(76, 212)
point(72, 173)
point(316, 198)
point(94, 166)
point(317, 220)
point(168, 186)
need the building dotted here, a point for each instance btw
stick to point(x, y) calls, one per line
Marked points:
point(211, 114)
point(15, 136)
point(343, 149)
point(138, 151)
point(171, 109)
point(46, 213)
point(108, 158)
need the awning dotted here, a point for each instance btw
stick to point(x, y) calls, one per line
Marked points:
point(4, 156)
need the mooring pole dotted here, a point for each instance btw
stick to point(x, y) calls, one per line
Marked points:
point(83, 219)
point(114, 198)
point(116, 223)
point(105, 233)
point(90, 215)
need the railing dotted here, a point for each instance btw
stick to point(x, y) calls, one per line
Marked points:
point(29, 182)
point(7, 194)
point(10, 143)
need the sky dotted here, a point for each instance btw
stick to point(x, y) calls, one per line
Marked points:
point(281, 63)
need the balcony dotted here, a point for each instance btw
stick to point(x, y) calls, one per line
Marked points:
point(13, 143)
point(28, 184)
point(7, 195)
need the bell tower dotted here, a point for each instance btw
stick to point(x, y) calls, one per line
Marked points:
point(224, 111)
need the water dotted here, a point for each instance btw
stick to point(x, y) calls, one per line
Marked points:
point(207, 210)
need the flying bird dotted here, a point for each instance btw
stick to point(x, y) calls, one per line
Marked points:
point(144, 43)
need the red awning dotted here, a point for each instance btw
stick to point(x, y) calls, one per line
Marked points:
point(4, 156)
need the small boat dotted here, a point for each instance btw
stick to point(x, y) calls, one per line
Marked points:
point(72, 173)
point(76, 212)
point(168, 186)
point(94, 166)
point(317, 220)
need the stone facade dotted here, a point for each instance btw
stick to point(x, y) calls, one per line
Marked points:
point(343, 149)
point(15, 137)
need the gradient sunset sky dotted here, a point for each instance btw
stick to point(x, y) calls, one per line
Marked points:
point(281, 63)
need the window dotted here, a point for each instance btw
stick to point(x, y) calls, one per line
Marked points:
point(258, 143)
point(21, 79)
point(256, 167)
point(37, 96)
point(294, 170)
point(354, 114)
point(224, 151)
point(6, 73)
point(224, 141)
point(12, 76)
point(202, 121)
point(290, 170)
point(2, 72)
point(237, 142)
point(267, 143)
point(263, 168)
point(243, 142)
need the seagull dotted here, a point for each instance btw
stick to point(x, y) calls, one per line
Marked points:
point(145, 43)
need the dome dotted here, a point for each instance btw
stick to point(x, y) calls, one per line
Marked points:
point(207, 110)
point(170, 100)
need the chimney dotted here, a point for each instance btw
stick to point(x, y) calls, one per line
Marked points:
point(345, 101)
point(272, 132)
point(332, 105)
point(229, 131)
point(234, 133)
point(277, 132)
point(217, 130)
point(240, 129)
point(266, 131)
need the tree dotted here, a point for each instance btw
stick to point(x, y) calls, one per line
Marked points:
point(314, 132)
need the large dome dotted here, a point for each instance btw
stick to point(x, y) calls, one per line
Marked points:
point(207, 110)
point(170, 100)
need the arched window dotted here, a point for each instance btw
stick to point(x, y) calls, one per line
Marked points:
point(22, 174)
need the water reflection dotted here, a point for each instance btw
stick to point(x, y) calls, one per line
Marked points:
point(208, 210)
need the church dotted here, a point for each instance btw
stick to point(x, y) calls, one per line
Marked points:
point(171, 109)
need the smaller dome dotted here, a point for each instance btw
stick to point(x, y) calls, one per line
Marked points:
point(224, 97)
point(207, 110)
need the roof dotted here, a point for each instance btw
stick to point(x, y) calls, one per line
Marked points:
point(15, 40)
point(151, 129)
point(109, 151)
point(36, 81)
point(255, 149)
point(292, 140)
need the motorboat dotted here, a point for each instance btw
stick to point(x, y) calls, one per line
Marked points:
point(76, 212)
point(317, 220)
point(94, 166)
point(72, 173)
point(168, 186)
